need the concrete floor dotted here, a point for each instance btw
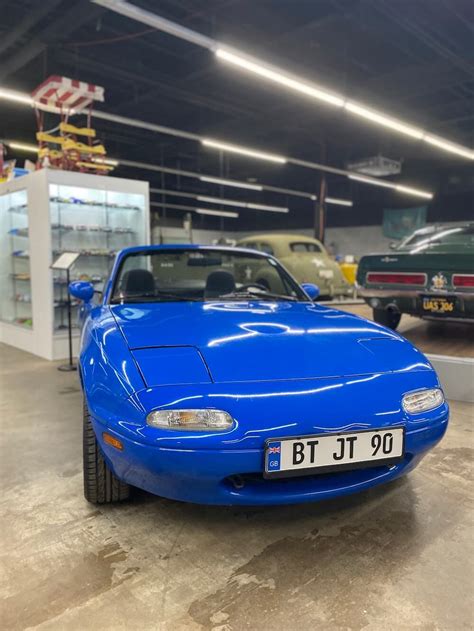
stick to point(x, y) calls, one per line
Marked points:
point(440, 337)
point(400, 557)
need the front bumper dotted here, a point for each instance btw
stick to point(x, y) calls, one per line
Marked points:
point(209, 476)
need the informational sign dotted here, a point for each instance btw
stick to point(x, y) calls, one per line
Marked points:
point(65, 260)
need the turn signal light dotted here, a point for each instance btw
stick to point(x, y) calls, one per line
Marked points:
point(423, 400)
point(191, 420)
point(463, 280)
point(114, 442)
point(400, 278)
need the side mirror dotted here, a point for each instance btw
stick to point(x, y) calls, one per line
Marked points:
point(392, 245)
point(311, 290)
point(82, 290)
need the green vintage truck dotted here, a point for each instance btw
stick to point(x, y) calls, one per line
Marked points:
point(430, 274)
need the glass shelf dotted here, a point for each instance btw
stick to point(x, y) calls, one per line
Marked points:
point(15, 285)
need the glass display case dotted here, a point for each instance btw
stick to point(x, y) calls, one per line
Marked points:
point(96, 223)
point(44, 214)
point(15, 281)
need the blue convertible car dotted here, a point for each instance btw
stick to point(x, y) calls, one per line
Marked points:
point(211, 376)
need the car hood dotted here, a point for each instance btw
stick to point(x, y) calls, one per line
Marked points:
point(257, 341)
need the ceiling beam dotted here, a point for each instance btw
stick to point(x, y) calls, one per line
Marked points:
point(67, 23)
point(39, 11)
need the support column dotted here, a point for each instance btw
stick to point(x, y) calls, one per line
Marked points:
point(320, 210)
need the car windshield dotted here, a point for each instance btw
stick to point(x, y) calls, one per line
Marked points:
point(192, 274)
point(442, 240)
point(415, 237)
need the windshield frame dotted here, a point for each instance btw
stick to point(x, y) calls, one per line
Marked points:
point(109, 294)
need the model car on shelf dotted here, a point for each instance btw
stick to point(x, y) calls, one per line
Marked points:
point(91, 202)
point(430, 275)
point(202, 384)
point(305, 258)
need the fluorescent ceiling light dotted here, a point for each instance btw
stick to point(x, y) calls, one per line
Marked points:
point(413, 191)
point(449, 146)
point(22, 146)
point(340, 202)
point(397, 187)
point(275, 209)
point(261, 155)
point(218, 200)
point(231, 202)
point(201, 211)
point(369, 180)
point(278, 77)
point(217, 213)
point(218, 180)
point(17, 97)
point(386, 121)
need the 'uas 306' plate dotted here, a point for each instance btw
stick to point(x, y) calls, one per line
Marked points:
point(331, 452)
point(439, 304)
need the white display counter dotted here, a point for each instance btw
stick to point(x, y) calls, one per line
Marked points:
point(48, 212)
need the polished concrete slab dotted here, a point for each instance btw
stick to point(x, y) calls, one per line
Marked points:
point(400, 557)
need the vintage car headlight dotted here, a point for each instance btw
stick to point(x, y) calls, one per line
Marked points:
point(422, 400)
point(191, 420)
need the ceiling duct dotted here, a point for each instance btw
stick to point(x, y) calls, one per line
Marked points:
point(377, 166)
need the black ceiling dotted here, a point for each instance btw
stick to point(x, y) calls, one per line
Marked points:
point(411, 58)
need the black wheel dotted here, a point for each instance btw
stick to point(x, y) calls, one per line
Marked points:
point(100, 484)
point(387, 318)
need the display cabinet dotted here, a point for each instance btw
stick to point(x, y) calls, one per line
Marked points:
point(44, 214)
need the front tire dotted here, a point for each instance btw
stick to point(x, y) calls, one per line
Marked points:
point(391, 319)
point(100, 484)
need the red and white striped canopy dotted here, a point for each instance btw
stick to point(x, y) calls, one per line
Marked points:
point(66, 94)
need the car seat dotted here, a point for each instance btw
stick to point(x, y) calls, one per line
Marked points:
point(218, 284)
point(137, 282)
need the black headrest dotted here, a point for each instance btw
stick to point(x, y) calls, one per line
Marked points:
point(138, 281)
point(219, 283)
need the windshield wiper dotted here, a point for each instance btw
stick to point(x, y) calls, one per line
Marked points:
point(256, 296)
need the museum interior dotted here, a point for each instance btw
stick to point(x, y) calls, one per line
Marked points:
point(237, 314)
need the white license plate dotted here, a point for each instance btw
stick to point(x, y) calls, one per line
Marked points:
point(327, 452)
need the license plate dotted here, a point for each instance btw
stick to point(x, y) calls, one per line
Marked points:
point(330, 452)
point(438, 304)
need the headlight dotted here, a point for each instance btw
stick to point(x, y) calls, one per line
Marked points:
point(423, 400)
point(191, 420)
